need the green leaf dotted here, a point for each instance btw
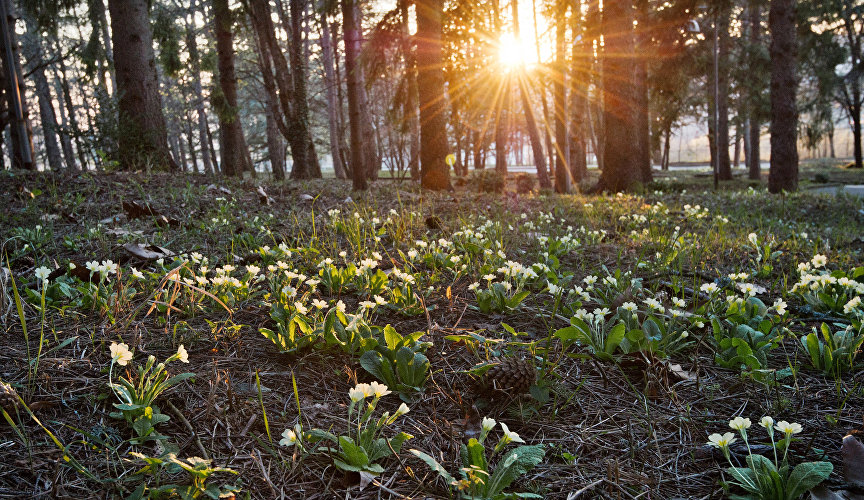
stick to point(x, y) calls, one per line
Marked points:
point(353, 454)
point(616, 335)
point(806, 476)
point(392, 338)
point(476, 455)
point(745, 478)
point(515, 463)
point(380, 368)
point(434, 465)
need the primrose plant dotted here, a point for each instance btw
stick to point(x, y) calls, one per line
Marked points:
point(764, 478)
point(362, 446)
point(479, 480)
point(137, 396)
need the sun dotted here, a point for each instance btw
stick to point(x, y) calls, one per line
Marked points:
point(513, 53)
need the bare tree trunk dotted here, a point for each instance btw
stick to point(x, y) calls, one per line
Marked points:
point(640, 88)
point(20, 131)
point(528, 110)
point(330, 84)
point(43, 93)
point(502, 113)
point(724, 168)
point(754, 123)
point(65, 140)
point(783, 175)
point(434, 172)
point(300, 116)
point(562, 143)
point(352, 53)
point(578, 95)
point(233, 159)
point(189, 132)
point(411, 98)
point(195, 61)
point(142, 133)
point(619, 172)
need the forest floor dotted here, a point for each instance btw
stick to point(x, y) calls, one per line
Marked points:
point(619, 421)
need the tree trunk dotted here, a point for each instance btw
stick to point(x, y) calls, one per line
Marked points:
point(195, 62)
point(434, 172)
point(19, 120)
point(502, 114)
point(352, 54)
point(856, 123)
point(411, 98)
point(783, 174)
point(275, 147)
point(142, 135)
point(641, 101)
point(562, 143)
point(754, 127)
point(528, 110)
point(330, 84)
point(43, 92)
point(724, 167)
point(65, 140)
point(578, 96)
point(619, 170)
point(300, 116)
point(233, 159)
point(189, 131)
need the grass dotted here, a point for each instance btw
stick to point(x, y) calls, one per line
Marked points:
point(632, 423)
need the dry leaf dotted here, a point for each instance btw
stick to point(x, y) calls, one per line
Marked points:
point(220, 189)
point(263, 197)
point(147, 252)
point(852, 452)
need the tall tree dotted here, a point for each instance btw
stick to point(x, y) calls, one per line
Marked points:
point(300, 124)
point(195, 67)
point(233, 151)
point(47, 116)
point(724, 166)
point(434, 172)
point(756, 68)
point(640, 88)
point(142, 135)
point(353, 83)
point(783, 174)
point(330, 84)
point(619, 171)
point(562, 143)
point(19, 120)
point(528, 110)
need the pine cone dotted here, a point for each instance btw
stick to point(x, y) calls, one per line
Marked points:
point(8, 397)
point(514, 376)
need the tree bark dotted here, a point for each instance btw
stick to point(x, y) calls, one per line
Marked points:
point(434, 172)
point(724, 167)
point(142, 134)
point(562, 143)
point(754, 127)
point(619, 170)
point(581, 62)
point(195, 63)
point(330, 84)
point(783, 174)
point(300, 116)
point(19, 120)
point(352, 53)
point(411, 98)
point(640, 75)
point(233, 156)
point(48, 118)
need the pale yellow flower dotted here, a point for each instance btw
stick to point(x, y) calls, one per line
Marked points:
point(120, 353)
point(182, 355)
point(722, 442)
